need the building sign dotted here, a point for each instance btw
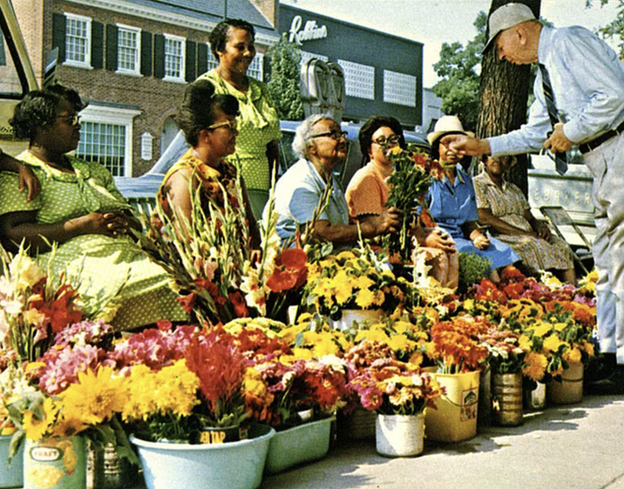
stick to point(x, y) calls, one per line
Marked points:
point(310, 32)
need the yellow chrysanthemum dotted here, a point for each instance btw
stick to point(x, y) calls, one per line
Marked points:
point(469, 304)
point(573, 355)
point(401, 343)
point(589, 348)
point(535, 367)
point(365, 298)
point(560, 326)
point(372, 335)
point(552, 343)
point(35, 428)
point(95, 397)
point(416, 359)
point(524, 342)
point(542, 329)
point(363, 282)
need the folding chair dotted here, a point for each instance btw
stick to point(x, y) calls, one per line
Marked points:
point(559, 218)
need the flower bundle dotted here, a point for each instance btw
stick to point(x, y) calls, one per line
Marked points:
point(219, 272)
point(392, 387)
point(413, 172)
point(33, 307)
point(319, 385)
point(456, 345)
point(561, 336)
point(89, 406)
point(505, 354)
point(356, 279)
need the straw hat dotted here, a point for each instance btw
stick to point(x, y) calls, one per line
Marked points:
point(506, 17)
point(448, 124)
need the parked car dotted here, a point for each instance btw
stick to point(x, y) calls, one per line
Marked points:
point(143, 189)
point(17, 76)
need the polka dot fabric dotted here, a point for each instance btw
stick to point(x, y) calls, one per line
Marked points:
point(108, 272)
point(258, 125)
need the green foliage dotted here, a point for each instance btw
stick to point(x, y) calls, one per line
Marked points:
point(472, 268)
point(284, 83)
point(615, 29)
point(458, 70)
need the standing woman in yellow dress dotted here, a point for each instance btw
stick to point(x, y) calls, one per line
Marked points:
point(257, 148)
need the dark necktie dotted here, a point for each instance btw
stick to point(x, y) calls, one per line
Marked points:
point(561, 160)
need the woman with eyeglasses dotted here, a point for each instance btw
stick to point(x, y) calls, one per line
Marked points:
point(82, 214)
point(232, 42)
point(321, 146)
point(453, 205)
point(368, 192)
point(209, 123)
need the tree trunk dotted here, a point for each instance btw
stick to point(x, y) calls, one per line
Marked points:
point(504, 94)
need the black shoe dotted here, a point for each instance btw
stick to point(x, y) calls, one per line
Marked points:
point(611, 385)
point(600, 367)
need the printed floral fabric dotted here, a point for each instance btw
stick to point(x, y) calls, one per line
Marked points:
point(508, 204)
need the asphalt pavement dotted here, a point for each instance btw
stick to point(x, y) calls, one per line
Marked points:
point(578, 446)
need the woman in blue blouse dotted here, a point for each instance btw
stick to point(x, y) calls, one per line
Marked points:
point(453, 203)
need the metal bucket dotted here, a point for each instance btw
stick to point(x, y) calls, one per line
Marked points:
point(507, 399)
point(568, 389)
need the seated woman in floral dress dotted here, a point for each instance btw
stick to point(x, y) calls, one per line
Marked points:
point(208, 122)
point(504, 208)
point(80, 211)
point(453, 204)
point(368, 192)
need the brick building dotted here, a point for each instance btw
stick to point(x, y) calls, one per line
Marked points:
point(132, 59)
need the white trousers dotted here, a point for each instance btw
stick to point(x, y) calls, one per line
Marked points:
point(606, 164)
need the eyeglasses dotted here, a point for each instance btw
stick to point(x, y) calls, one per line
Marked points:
point(337, 135)
point(387, 141)
point(73, 119)
point(231, 125)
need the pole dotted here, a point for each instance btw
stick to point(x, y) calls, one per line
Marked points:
point(225, 9)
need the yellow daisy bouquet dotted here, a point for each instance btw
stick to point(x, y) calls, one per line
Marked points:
point(356, 279)
point(89, 406)
point(562, 335)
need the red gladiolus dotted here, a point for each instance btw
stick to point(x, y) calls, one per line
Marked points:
point(281, 280)
point(238, 302)
point(292, 258)
point(188, 302)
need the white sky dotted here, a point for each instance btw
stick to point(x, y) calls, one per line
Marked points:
point(434, 22)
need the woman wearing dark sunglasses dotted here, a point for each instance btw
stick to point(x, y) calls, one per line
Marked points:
point(368, 192)
point(208, 122)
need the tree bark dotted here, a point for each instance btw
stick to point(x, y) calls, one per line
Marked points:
point(504, 94)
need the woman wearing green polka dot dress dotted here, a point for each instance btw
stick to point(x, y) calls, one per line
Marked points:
point(257, 149)
point(80, 210)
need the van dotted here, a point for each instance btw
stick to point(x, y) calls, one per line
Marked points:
point(17, 76)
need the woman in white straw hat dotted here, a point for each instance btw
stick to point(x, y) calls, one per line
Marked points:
point(453, 204)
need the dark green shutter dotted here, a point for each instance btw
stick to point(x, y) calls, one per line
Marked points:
point(58, 35)
point(97, 45)
point(202, 57)
point(111, 47)
point(146, 53)
point(191, 60)
point(159, 56)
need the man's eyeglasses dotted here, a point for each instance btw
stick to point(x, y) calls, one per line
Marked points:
point(231, 125)
point(332, 134)
point(387, 141)
point(73, 119)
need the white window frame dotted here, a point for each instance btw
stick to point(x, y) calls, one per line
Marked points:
point(256, 68)
point(100, 114)
point(137, 54)
point(87, 62)
point(211, 62)
point(182, 40)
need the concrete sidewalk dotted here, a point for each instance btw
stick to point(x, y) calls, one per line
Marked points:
point(580, 446)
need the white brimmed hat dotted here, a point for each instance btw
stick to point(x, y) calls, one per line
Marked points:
point(505, 17)
point(448, 124)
